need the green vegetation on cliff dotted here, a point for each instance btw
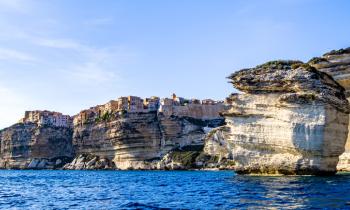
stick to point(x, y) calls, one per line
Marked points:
point(316, 60)
point(279, 64)
point(338, 52)
point(105, 117)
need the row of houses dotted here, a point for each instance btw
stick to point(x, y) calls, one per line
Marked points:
point(137, 104)
point(47, 118)
point(180, 101)
point(129, 104)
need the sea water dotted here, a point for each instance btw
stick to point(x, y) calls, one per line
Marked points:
point(49, 189)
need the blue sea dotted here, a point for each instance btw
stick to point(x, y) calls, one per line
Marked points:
point(50, 189)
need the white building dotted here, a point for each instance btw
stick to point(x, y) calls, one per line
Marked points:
point(47, 118)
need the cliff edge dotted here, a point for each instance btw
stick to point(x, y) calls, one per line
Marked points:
point(337, 64)
point(291, 119)
point(30, 146)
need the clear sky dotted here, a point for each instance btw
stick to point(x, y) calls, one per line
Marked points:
point(68, 55)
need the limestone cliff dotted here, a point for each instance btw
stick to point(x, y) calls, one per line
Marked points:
point(27, 145)
point(135, 140)
point(128, 133)
point(291, 119)
point(337, 64)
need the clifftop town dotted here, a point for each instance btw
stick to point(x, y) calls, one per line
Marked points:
point(203, 109)
point(291, 118)
point(126, 133)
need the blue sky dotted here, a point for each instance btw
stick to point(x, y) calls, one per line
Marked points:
point(68, 55)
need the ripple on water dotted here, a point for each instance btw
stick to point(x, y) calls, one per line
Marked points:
point(168, 190)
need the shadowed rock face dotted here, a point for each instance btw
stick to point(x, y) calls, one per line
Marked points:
point(31, 146)
point(337, 64)
point(135, 140)
point(292, 119)
point(126, 138)
point(303, 83)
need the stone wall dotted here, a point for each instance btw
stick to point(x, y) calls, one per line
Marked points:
point(200, 111)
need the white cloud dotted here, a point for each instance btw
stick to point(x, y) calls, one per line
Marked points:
point(14, 5)
point(9, 54)
point(10, 3)
point(11, 108)
point(94, 69)
point(58, 62)
point(91, 65)
point(91, 73)
point(86, 64)
point(59, 44)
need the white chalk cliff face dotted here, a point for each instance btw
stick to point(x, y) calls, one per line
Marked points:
point(135, 140)
point(337, 64)
point(291, 119)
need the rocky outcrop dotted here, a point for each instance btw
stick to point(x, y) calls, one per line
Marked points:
point(136, 140)
point(129, 133)
point(337, 64)
point(90, 162)
point(29, 146)
point(291, 119)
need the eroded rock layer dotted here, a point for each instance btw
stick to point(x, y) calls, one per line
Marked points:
point(337, 64)
point(27, 145)
point(135, 140)
point(292, 119)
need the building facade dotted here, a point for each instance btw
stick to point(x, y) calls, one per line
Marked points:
point(135, 103)
point(151, 104)
point(47, 118)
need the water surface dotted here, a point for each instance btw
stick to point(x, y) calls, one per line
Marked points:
point(168, 189)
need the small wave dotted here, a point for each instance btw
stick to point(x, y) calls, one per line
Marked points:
point(137, 205)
